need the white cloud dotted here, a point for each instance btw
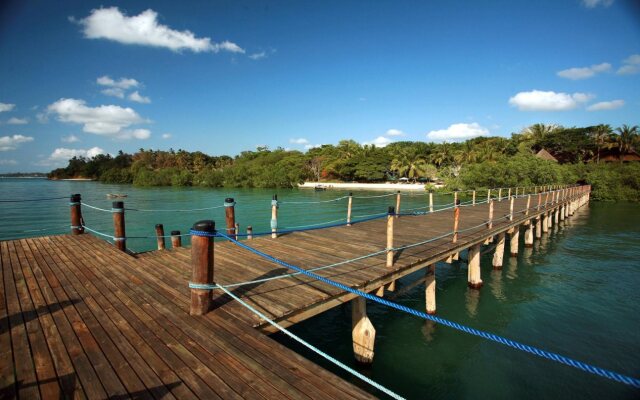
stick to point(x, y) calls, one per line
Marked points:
point(631, 65)
point(8, 162)
point(537, 100)
point(113, 92)
point(299, 141)
point(380, 141)
point(70, 139)
point(144, 29)
point(458, 132)
point(258, 56)
point(122, 83)
point(12, 142)
point(107, 120)
point(166, 136)
point(606, 105)
point(596, 3)
point(584, 72)
point(140, 134)
point(4, 107)
point(138, 98)
point(61, 155)
point(17, 121)
point(394, 132)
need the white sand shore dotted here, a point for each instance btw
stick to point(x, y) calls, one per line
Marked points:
point(365, 186)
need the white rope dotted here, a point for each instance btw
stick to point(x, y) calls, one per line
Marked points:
point(176, 210)
point(313, 202)
point(96, 208)
point(313, 348)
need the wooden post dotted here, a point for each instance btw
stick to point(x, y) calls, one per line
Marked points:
point(539, 201)
point(455, 197)
point(528, 235)
point(473, 198)
point(488, 195)
point(249, 232)
point(528, 205)
point(398, 204)
point(545, 222)
point(430, 201)
point(230, 217)
point(556, 216)
point(201, 265)
point(160, 236)
point(274, 217)
point(498, 255)
point(176, 239)
point(430, 288)
point(349, 209)
point(538, 227)
point(511, 209)
point(509, 194)
point(499, 194)
point(390, 252)
point(516, 191)
point(237, 230)
point(120, 237)
point(75, 204)
point(490, 221)
point(363, 333)
point(473, 277)
point(456, 223)
point(514, 241)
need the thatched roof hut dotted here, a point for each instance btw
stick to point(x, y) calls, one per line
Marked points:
point(545, 155)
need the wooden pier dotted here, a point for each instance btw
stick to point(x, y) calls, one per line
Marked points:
point(80, 318)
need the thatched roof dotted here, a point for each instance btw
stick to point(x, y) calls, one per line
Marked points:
point(545, 155)
point(613, 155)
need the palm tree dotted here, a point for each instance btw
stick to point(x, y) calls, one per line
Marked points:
point(442, 154)
point(410, 165)
point(601, 134)
point(466, 154)
point(539, 131)
point(625, 139)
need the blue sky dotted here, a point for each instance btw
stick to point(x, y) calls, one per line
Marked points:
point(83, 77)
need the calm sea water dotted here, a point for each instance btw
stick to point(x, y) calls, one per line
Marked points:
point(575, 293)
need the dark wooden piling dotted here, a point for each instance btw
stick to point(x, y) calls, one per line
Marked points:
point(176, 239)
point(201, 265)
point(75, 205)
point(230, 216)
point(160, 236)
point(119, 232)
point(249, 232)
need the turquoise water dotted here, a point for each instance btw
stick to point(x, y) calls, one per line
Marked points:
point(575, 292)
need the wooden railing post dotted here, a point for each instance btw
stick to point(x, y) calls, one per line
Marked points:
point(201, 265)
point(499, 194)
point(75, 204)
point(230, 217)
point(490, 220)
point(160, 236)
point(274, 217)
point(349, 205)
point(473, 198)
point(488, 195)
point(398, 204)
point(176, 239)
point(509, 194)
point(528, 204)
point(455, 197)
point(249, 232)
point(390, 252)
point(456, 224)
point(511, 208)
point(430, 200)
point(120, 237)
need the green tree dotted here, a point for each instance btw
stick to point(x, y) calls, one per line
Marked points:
point(625, 139)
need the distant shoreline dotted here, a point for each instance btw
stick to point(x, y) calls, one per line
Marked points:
point(364, 186)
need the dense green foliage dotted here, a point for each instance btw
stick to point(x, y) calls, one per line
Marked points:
point(479, 162)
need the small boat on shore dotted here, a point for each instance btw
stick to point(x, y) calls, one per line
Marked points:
point(319, 188)
point(116, 196)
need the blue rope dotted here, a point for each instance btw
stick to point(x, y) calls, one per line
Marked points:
point(42, 199)
point(635, 382)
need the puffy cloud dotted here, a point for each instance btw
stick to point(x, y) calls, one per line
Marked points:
point(113, 92)
point(537, 100)
point(380, 141)
point(12, 142)
point(109, 120)
point(140, 134)
point(166, 136)
point(17, 121)
point(144, 29)
point(584, 72)
point(299, 141)
point(122, 83)
point(138, 98)
point(394, 132)
point(458, 132)
point(606, 105)
point(4, 107)
point(70, 139)
point(596, 3)
point(8, 162)
point(61, 155)
point(631, 65)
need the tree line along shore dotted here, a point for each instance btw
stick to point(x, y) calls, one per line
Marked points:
point(541, 154)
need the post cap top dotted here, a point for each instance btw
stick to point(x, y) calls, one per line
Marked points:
point(206, 225)
point(117, 204)
point(392, 210)
point(75, 197)
point(458, 202)
point(350, 193)
point(159, 226)
point(229, 200)
point(175, 233)
point(275, 197)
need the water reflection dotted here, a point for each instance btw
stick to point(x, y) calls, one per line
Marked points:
point(428, 330)
point(472, 299)
point(496, 284)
